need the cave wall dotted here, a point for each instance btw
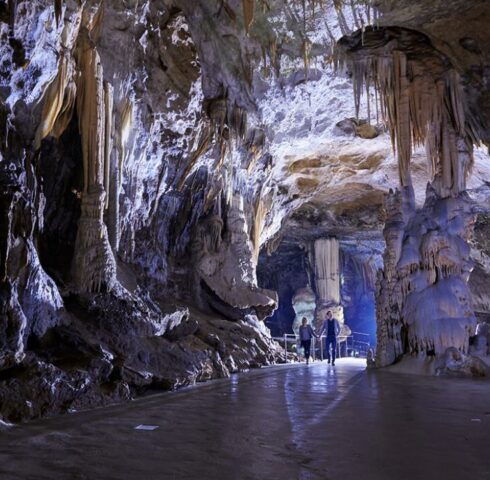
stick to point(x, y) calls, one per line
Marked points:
point(358, 292)
point(480, 276)
point(112, 163)
point(285, 271)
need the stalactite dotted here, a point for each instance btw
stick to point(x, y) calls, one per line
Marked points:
point(58, 8)
point(211, 234)
point(354, 15)
point(255, 145)
point(202, 147)
point(402, 117)
point(126, 125)
point(366, 269)
point(237, 120)
point(261, 212)
point(340, 14)
point(422, 100)
point(109, 102)
point(58, 102)
point(248, 13)
point(306, 48)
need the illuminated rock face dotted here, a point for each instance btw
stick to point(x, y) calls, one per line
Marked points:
point(424, 303)
point(304, 305)
point(110, 281)
point(226, 265)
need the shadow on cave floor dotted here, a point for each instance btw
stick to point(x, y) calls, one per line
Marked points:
point(293, 421)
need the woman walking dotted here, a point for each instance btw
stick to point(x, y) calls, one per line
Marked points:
point(306, 334)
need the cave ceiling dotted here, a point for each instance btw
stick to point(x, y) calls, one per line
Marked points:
point(191, 54)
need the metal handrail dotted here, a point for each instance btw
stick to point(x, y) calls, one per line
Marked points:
point(360, 333)
point(341, 339)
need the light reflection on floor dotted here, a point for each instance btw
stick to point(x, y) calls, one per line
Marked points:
point(295, 422)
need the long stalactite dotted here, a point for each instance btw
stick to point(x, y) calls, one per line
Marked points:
point(421, 96)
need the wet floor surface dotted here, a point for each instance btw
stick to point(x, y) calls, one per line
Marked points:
point(293, 422)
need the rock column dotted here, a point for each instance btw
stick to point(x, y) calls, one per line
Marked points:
point(327, 279)
point(94, 266)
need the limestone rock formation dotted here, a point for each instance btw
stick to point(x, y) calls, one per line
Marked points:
point(226, 265)
point(167, 168)
point(424, 302)
point(304, 304)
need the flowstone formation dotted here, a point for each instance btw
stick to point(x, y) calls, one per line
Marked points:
point(424, 303)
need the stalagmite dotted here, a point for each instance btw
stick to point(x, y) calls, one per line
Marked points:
point(304, 304)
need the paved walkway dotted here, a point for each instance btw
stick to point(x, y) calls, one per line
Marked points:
point(292, 422)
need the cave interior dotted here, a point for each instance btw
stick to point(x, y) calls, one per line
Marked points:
point(182, 180)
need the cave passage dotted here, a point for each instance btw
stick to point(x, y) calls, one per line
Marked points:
point(280, 422)
point(183, 182)
point(290, 272)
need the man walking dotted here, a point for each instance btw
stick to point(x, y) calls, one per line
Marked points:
point(332, 328)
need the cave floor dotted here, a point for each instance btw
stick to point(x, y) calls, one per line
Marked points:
point(288, 422)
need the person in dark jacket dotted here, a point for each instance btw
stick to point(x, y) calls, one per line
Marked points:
point(306, 334)
point(331, 327)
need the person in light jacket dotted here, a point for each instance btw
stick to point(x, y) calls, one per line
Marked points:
point(306, 334)
point(331, 327)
